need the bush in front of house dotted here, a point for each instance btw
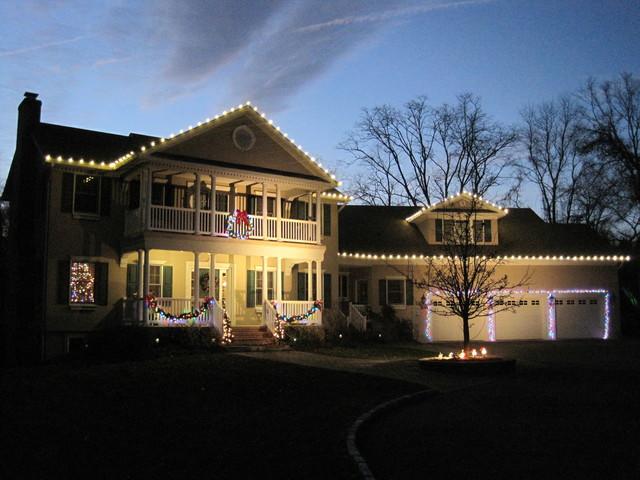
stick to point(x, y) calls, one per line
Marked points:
point(305, 336)
point(386, 326)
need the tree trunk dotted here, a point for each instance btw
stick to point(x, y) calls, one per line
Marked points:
point(465, 330)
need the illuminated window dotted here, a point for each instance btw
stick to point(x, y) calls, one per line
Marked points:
point(270, 287)
point(82, 283)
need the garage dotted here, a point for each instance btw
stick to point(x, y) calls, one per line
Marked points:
point(579, 315)
point(521, 318)
point(448, 328)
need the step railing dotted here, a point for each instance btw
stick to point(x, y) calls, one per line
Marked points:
point(269, 316)
point(356, 318)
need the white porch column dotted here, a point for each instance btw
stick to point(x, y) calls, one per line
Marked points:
point(309, 206)
point(265, 222)
point(148, 185)
point(265, 278)
point(309, 281)
point(140, 273)
point(278, 213)
point(212, 221)
point(196, 221)
point(147, 270)
point(318, 218)
point(278, 279)
point(319, 279)
point(212, 276)
point(196, 278)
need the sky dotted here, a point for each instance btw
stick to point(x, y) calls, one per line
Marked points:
point(157, 66)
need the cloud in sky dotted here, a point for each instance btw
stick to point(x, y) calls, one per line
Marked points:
point(277, 46)
point(33, 48)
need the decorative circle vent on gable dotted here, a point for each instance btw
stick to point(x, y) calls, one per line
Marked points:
point(243, 138)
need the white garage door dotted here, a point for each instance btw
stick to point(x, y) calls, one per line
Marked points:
point(579, 315)
point(525, 319)
point(444, 328)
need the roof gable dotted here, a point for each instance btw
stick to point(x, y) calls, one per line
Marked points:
point(461, 202)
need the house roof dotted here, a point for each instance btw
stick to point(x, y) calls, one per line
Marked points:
point(386, 231)
point(77, 143)
point(121, 152)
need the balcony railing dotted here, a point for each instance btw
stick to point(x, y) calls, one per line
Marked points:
point(182, 220)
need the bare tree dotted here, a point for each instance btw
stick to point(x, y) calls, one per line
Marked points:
point(431, 152)
point(465, 277)
point(376, 187)
point(551, 137)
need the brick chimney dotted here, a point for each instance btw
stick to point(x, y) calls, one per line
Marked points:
point(28, 118)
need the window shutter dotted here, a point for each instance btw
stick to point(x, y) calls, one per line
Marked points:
point(67, 193)
point(157, 192)
point(382, 291)
point(63, 281)
point(102, 283)
point(438, 230)
point(326, 294)
point(105, 196)
point(282, 285)
point(132, 279)
point(326, 219)
point(169, 194)
point(271, 206)
point(409, 292)
point(167, 281)
point(302, 286)
point(487, 231)
point(251, 288)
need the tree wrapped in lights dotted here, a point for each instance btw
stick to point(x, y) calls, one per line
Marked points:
point(82, 283)
point(227, 333)
point(465, 278)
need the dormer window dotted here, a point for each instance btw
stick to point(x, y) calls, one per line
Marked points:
point(447, 231)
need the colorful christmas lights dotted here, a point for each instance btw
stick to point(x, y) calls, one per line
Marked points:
point(82, 283)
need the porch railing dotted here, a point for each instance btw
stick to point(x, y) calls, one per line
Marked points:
point(182, 220)
point(356, 318)
point(133, 313)
point(292, 308)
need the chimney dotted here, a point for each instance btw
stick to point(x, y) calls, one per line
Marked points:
point(28, 117)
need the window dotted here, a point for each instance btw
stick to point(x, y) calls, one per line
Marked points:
point(558, 302)
point(450, 230)
point(395, 292)
point(343, 286)
point(593, 301)
point(86, 197)
point(270, 287)
point(155, 280)
point(582, 302)
point(362, 292)
point(82, 283)
point(482, 231)
point(535, 302)
point(571, 302)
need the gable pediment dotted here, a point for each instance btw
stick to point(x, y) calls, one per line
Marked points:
point(247, 141)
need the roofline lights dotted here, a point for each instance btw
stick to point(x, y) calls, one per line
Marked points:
point(91, 163)
point(148, 148)
point(452, 197)
point(554, 258)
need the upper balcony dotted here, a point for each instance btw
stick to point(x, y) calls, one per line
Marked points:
point(167, 203)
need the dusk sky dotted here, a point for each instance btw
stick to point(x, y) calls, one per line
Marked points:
point(155, 67)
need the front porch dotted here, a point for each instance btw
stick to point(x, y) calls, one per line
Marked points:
point(163, 291)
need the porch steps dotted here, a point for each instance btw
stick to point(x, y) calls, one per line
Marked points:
point(252, 337)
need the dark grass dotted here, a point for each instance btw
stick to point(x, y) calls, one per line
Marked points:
point(204, 415)
point(544, 421)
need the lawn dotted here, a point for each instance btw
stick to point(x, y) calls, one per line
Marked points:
point(203, 415)
point(373, 351)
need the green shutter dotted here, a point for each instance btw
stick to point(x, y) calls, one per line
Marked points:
point(134, 194)
point(487, 231)
point(132, 279)
point(302, 286)
point(63, 281)
point(382, 291)
point(105, 196)
point(326, 286)
point(101, 292)
point(251, 288)
point(167, 281)
point(66, 203)
point(326, 219)
point(409, 293)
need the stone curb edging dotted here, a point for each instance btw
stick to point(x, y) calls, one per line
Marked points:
point(366, 417)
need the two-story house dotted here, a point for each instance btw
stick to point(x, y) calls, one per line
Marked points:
point(107, 229)
point(230, 208)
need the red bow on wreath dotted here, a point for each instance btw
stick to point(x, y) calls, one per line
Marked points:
point(243, 217)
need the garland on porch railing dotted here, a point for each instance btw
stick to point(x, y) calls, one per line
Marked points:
point(282, 319)
point(183, 318)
